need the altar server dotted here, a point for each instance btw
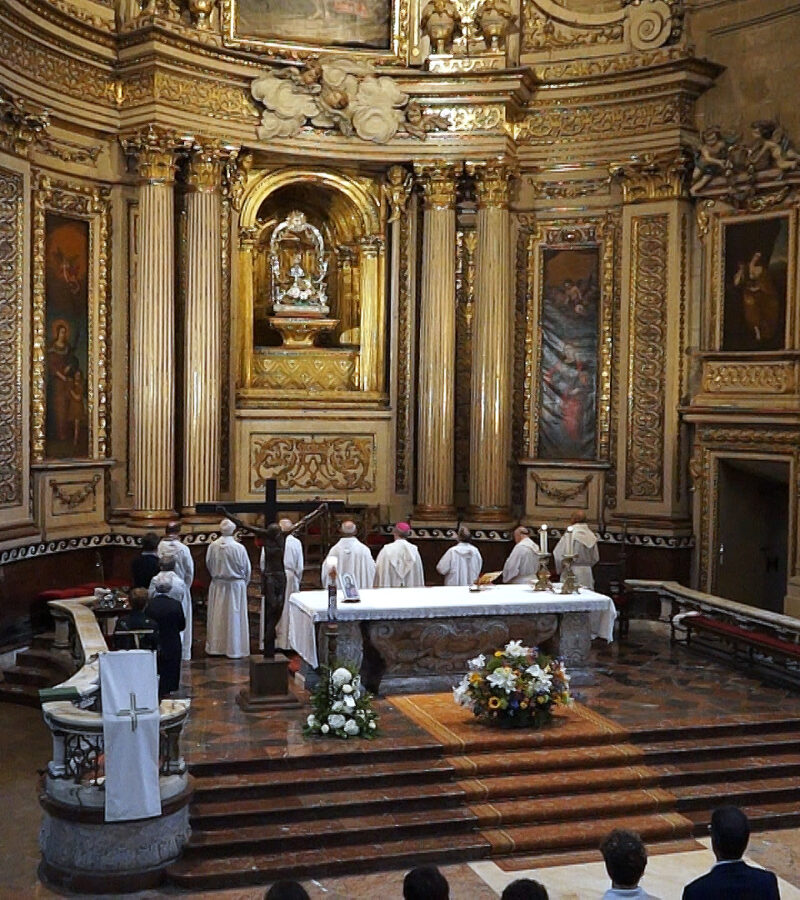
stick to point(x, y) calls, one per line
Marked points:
point(178, 591)
point(172, 542)
point(461, 564)
point(584, 548)
point(352, 558)
point(228, 632)
point(293, 567)
point(399, 563)
point(523, 561)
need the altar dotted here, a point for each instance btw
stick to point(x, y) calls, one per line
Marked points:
point(420, 638)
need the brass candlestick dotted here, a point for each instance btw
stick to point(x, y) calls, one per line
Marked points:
point(568, 583)
point(543, 582)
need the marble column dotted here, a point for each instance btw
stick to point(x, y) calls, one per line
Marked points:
point(437, 345)
point(202, 375)
point(492, 352)
point(152, 333)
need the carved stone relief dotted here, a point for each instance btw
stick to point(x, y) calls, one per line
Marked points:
point(314, 463)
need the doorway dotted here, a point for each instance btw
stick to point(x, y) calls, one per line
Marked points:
point(753, 530)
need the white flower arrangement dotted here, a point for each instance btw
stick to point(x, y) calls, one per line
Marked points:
point(342, 708)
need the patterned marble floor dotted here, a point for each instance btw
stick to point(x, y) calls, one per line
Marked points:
point(640, 682)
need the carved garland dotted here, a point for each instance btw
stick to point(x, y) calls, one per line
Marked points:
point(76, 497)
point(557, 494)
point(644, 472)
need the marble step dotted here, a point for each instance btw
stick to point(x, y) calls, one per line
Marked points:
point(38, 658)
point(21, 694)
point(744, 768)
point(30, 676)
point(43, 641)
point(545, 760)
point(261, 868)
point(739, 793)
point(355, 777)
point(762, 816)
point(587, 833)
point(289, 837)
point(565, 784)
point(744, 729)
point(333, 804)
point(723, 745)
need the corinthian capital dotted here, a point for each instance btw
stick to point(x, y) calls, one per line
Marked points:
point(20, 125)
point(438, 179)
point(493, 180)
point(651, 176)
point(204, 169)
point(154, 151)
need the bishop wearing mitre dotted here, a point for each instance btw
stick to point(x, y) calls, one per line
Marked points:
point(399, 563)
point(352, 558)
point(523, 561)
point(293, 567)
point(584, 548)
point(461, 564)
point(228, 632)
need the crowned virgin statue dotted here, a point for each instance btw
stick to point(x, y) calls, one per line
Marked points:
point(299, 269)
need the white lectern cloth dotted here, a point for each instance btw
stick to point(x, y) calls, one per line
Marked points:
point(309, 607)
point(131, 717)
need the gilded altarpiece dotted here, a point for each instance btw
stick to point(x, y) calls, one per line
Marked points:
point(14, 333)
point(565, 322)
point(70, 334)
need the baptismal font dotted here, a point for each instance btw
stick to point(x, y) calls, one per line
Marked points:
point(299, 282)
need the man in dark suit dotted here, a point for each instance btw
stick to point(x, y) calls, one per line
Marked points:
point(145, 567)
point(731, 878)
point(168, 614)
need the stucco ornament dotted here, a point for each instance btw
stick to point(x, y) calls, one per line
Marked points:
point(342, 94)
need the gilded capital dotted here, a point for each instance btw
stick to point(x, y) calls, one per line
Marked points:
point(651, 176)
point(20, 126)
point(204, 169)
point(438, 180)
point(371, 245)
point(154, 153)
point(493, 182)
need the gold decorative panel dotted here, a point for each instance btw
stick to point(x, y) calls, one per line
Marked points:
point(647, 364)
point(12, 295)
point(305, 370)
point(749, 377)
point(314, 462)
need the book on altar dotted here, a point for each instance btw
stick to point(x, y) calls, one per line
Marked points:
point(131, 719)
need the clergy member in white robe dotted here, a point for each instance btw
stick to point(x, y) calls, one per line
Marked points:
point(523, 561)
point(228, 630)
point(461, 564)
point(399, 563)
point(352, 558)
point(584, 548)
point(172, 542)
point(178, 591)
point(293, 566)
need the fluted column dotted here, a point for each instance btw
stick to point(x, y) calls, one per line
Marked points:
point(152, 332)
point(492, 351)
point(373, 318)
point(437, 345)
point(201, 344)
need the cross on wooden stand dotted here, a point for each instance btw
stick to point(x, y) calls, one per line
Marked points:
point(269, 677)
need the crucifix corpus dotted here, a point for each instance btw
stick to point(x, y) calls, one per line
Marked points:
point(269, 680)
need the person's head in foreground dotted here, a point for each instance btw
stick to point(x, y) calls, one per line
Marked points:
point(286, 890)
point(401, 531)
point(425, 883)
point(150, 542)
point(625, 857)
point(464, 534)
point(730, 832)
point(520, 534)
point(139, 598)
point(227, 528)
point(348, 528)
point(524, 889)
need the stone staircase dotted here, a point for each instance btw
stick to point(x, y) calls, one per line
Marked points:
point(340, 813)
point(34, 668)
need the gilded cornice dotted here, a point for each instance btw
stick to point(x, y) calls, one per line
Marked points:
point(20, 124)
point(654, 176)
point(213, 98)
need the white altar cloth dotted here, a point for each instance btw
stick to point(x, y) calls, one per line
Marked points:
point(307, 608)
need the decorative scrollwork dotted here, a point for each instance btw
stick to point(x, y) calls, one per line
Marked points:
point(328, 463)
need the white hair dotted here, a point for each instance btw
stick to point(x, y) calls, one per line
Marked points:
point(286, 524)
point(162, 583)
point(348, 527)
point(227, 527)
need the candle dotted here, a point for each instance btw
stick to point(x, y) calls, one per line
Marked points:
point(332, 562)
point(543, 539)
point(569, 541)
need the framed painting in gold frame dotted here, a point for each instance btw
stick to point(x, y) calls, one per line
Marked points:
point(379, 29)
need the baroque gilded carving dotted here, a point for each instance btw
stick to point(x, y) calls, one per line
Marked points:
point(396, 190)
point(405, 359)
point(493, 181)
point(438, 180)
point(71, 500)
point(439, 21)
point(308, 463)
point(644, 470)
point(343, 94)
point(307, 370)
point(153, 152)
point(12, 261)
point(748, 377)
point(20, 125)
point(653, 176)
point(561, 495)
point(466, 246)
point(750, 176)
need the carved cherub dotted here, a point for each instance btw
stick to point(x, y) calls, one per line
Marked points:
point(438, 21)
point(773, 148)
point(396, 191)
point(711, 158)
point(417, 124)
point(495, 19)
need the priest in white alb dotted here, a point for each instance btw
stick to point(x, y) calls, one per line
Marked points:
point(461, 564)
point(523, 561)
point(352, 558)
point(228, 630)
point(168, 561)
point(172, 543)
point(293, 566)
point(399, 563)
point(584, 549)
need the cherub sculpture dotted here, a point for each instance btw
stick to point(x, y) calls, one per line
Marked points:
point(396, 190)
point(439, 19)
point(495, 19)
point(773, 148)
point(711, 158)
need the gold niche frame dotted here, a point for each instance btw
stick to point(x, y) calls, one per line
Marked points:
point(404, 38)
point(92, 204)
point(354, 374)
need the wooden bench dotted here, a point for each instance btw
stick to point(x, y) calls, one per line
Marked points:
point(738, 636)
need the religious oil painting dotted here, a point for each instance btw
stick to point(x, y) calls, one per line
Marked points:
point(322, 23)
point(67, 325)
point(569, 350)
point(756, 265)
